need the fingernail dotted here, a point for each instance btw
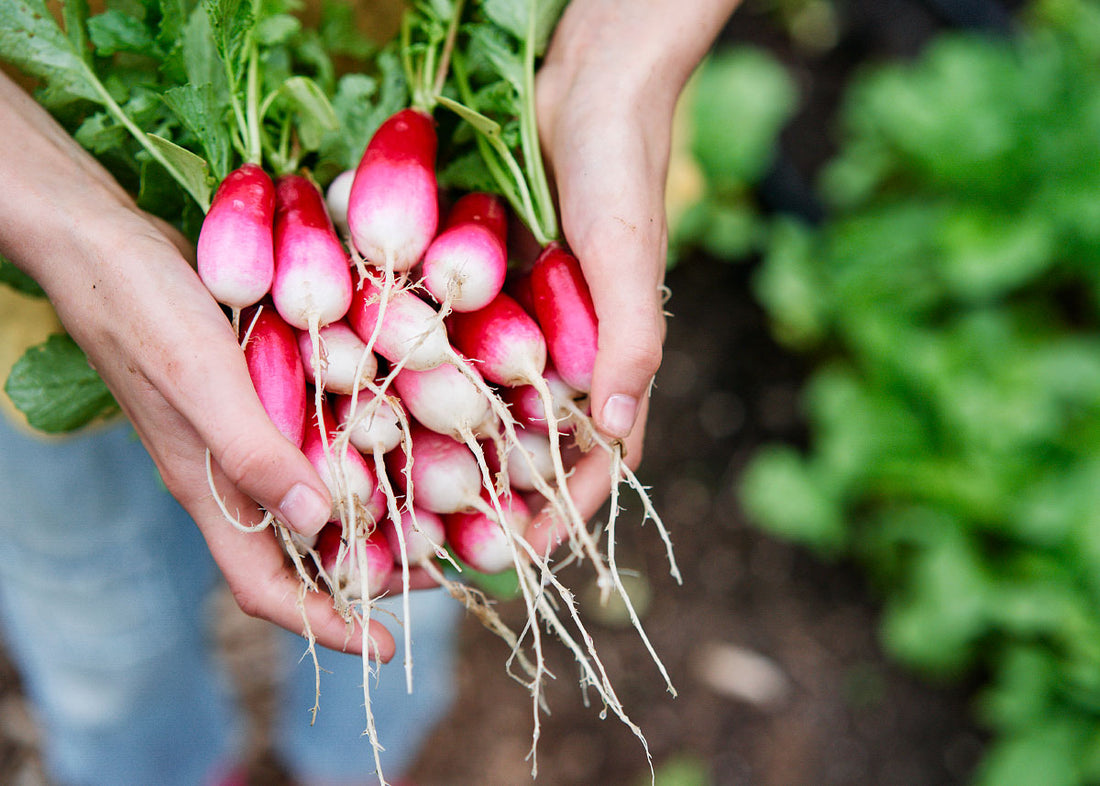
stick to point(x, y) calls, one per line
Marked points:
point(304, 510)
point(618, 414)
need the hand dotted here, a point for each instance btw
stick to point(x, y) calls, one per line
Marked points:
point(124, 289)
point(606, 95)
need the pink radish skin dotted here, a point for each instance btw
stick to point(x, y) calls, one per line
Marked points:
point(343, 352)
point(445, 474)
point(235, 251)
point(275, 366)
point(336, 199)
point(354, 470)
point(564, 311)
point(420, 543)
point(443, 399)
point(312, 284)
point(464, 267)
point(411, 330)
point(480, 208)
point(376, 427)
point(503, 339)
point(480, 541)
point(393, 209)
point(380, 563)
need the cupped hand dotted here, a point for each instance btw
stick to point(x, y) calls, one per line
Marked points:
point(125, 291)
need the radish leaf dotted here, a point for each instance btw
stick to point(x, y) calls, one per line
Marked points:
point(53, 385)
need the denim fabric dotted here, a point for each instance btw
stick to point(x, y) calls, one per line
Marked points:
point(334, 750)
point(103, 588)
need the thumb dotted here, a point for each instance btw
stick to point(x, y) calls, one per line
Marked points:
point(624, 267)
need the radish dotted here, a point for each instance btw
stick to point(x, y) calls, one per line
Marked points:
point(373, 424)
point(506, 343)
point(342, 565)
point(349, 479)
point(235, 257)
point(481, 208)
point(312, 285)
point(336, 199)
point(534, 474)
point(275, 366)
point(564, 310)
point(439, 474)
point(525, 403)
point(407, 331)
point(480, 541)
point(445, 400)
point(422, 531)
point(345, 363)
point(465, 265)
point(393, 209)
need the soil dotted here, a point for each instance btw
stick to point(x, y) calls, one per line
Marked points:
point(781, 680)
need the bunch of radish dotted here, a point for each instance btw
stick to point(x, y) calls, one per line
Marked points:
point(434, 404)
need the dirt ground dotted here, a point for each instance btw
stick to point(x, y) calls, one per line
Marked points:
point(780, 678)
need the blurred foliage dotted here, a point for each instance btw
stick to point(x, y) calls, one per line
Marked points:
point(952, 304)
point(728, 125)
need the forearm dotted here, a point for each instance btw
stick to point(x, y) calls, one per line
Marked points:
point(55, 194)
point(653, 45)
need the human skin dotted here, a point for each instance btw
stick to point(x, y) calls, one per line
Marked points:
point(606, 94)
point(124, 287)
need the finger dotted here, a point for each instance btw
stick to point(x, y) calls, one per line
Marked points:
point(621, 251)
point(193, 360)
point(264, 585)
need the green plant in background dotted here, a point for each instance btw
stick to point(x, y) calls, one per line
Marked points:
point(728, 126)
point(952, 302)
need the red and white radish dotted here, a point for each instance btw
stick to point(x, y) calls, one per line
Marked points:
point(349, 478)
point(465, 265)
point(393, 209)
point(275, 367)
point(345, 362)
point(445, 399)
point(444, 474)
point(374, 425)
point(564, 310)
point(312, 285)
point(536, 473)
point(406, 331)
point(422, 532)
point(341, 562)
point(481, 541)
point(526, 405)
point(234, 254)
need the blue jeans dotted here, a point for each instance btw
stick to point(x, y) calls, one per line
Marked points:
point(103, 588)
